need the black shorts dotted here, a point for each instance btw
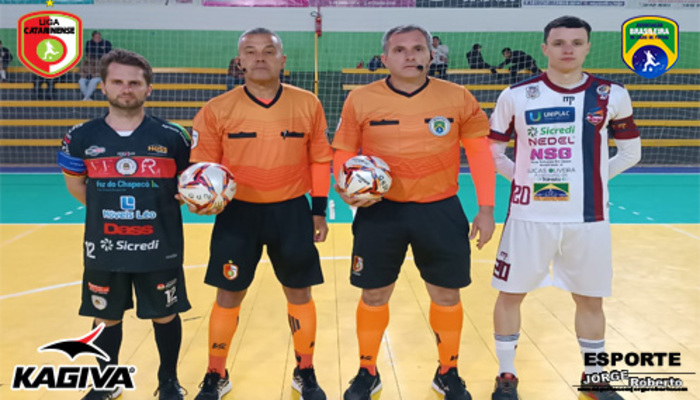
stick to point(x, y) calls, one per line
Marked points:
point(241, 230)
point(108, 294)
point(438, 233)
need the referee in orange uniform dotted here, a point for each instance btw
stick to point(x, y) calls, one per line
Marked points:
point(416, 125)
point(272, 136)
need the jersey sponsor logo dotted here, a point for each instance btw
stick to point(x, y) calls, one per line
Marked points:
point(121, 185)
point(157, 148)
point(75, 377)
point(550, 141)
point(532, 92)
point(603, 92)
point(137, 167)
point(129, 215)
point(595, 116)
point(128, 230)
point(650, 45)
point(568, 99)
point(551, 191)
point(439, 126)
point(553, 115)
point(551, 153)
point(126, 166)
point(127, 202)
point(49, 43)
point(230, 270)
point(94, 151)
point(124, 245)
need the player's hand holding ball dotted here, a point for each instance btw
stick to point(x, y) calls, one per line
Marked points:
point(206, 188)
point(363, 180)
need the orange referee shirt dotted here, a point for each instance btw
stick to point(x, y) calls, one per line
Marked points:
point(269, 148)
point(417, 134)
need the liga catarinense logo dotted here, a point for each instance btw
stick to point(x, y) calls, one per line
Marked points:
point(650, 45)
point(49, 42)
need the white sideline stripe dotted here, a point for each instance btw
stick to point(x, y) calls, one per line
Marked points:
point(681, 231)
point(62, 285)
point(23, 234)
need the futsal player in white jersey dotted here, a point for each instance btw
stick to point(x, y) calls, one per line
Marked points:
point(560, 122)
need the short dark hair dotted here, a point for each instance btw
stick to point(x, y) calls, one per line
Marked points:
point(506, 49)
point(476, 46)
point(126, 57)
point(95, 33)
point(567, 21)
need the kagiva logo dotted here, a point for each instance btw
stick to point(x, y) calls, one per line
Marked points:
point(74, 377)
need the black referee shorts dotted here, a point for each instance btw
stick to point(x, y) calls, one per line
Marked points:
point(240, 232)
point(438, 233)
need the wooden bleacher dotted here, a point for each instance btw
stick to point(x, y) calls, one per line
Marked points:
point(668, 108)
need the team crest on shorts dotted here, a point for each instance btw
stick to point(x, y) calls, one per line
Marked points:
point(357, 265)
point(99, 302)
point(230, 270)
point(439, 126)
point(49, 43)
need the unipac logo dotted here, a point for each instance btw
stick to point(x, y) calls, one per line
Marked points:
point(552, 115)
point(650, 45)
point(74, 377)
point(49, 42)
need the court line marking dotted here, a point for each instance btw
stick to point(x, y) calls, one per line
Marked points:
point(63, 285)
point(23, 234)
point(673, 228)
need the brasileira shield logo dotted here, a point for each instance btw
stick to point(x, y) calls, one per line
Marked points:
point(650, 45)
point(49, 42)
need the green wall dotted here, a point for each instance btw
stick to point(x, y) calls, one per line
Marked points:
point(337, 50)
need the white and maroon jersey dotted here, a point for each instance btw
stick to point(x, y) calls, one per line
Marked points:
point(561, 146)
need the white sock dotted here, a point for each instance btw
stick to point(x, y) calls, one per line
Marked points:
point(505, 351)
point(591, 347)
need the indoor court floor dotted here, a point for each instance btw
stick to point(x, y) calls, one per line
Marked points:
point(655, 305)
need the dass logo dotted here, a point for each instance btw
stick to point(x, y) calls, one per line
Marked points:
point(74, 377)
point(49, 42)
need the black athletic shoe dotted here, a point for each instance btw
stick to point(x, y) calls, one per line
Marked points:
point(450, 385)
point(363, 386)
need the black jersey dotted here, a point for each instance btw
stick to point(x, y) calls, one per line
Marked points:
point(133, 222)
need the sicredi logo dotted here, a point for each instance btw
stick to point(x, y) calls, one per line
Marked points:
point(74, 377)
point(551, 115)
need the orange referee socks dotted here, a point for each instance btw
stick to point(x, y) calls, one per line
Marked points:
point(302, 322)
point(222, 325)
point(371, 323)
point(446, 322)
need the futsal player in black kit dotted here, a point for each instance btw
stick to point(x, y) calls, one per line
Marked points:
point(124, 167)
